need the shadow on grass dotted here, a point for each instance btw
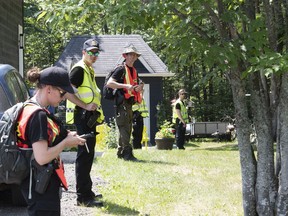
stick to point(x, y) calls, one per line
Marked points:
point(154, 161)
point(228, 147)
point(191, 145)
point(116, 209)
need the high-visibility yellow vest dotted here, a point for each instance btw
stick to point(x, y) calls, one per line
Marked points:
point(183, 111)
point(142, 108)
point(88, 92)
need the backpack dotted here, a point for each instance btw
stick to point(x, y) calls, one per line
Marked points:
point(110, 93)
point(14, 161)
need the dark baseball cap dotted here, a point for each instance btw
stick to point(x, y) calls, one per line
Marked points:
point(90, 44)
point(56, 76)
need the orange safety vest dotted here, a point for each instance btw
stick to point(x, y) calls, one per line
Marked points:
point(52, 129)
point(132, 80)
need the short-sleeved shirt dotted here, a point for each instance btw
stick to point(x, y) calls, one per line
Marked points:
point(178, 106)
point(119, 74)
point(77, 76)
point(37, 127)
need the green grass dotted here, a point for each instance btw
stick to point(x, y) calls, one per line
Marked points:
point(204, 179)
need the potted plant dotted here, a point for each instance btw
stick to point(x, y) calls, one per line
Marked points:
point(165, 137)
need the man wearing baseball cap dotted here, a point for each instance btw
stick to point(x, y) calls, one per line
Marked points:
point(84, 110)
point(180, 118)
point(127, 81)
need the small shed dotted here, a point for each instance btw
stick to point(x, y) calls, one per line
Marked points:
point(150, 67)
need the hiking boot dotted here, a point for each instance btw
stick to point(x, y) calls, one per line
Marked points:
point(90, 203)
point(96, 196)
point(130, 157)
point(120, 152)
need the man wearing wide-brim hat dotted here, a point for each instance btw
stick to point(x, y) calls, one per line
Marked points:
point(125, 79)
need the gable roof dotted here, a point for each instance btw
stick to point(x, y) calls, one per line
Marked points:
point(148, 64)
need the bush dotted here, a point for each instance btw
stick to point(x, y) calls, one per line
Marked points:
point(108, 135)
point(166, 130)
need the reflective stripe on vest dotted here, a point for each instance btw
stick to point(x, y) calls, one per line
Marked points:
point(24, 117)
point(52, 128)
point(142, 108)
point(183, 111)
point(88, 92)
point(132, 80)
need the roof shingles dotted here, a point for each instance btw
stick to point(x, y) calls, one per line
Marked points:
point(111, 54)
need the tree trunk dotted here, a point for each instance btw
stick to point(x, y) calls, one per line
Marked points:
point(282, 198)
point(247, 157)
point(265, 182)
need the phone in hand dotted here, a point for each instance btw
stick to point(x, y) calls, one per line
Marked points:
point(85, 136)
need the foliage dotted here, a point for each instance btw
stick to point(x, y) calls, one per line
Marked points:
point(50, 25)
point(101, 138)
point(111, 138)
point(43, 45)
point(165, 131)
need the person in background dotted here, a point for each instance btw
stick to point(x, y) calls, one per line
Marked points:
point(126, 80)
point(41, 131)
point(140, 112)
point(84, 110)
point(180, 118)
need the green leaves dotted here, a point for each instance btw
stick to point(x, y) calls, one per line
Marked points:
point(268, 63)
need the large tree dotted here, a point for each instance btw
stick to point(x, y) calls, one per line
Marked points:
point(244, 42)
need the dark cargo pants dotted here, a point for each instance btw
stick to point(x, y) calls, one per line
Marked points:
point(124, 118)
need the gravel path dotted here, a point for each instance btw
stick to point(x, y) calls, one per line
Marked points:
point(68, 201)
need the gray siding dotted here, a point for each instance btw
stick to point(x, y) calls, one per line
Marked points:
point(11, 15)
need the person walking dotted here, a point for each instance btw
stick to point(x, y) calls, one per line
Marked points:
point(41, 131)
point(84, 110)
point(140, 112)
point(126, 80)
point(180, 118)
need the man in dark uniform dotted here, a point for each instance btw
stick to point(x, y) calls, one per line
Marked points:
point(80, 111)
point(180, 118)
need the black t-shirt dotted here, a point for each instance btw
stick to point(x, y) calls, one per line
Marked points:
point(178, 106)
point(119, 74)
point(37, 127)
point(77, 76)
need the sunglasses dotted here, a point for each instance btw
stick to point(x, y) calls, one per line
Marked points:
point(62, 93)
point(90, 53)
point(183, 94)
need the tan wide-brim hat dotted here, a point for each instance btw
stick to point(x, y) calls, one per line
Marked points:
point(182, 91)
point(131, 49)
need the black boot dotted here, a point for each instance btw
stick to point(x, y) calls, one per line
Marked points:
point(120, 152)
point(128, 155)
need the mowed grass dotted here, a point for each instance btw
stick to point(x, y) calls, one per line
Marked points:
point(204, 179)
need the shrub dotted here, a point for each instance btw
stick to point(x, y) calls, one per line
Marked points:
point(166, 130)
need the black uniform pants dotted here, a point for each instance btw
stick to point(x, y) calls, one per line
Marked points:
point(84, 160)
point(180, 135)
point(47, 204)
point(137, 132)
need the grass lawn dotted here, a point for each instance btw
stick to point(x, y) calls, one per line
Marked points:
point(204, 179)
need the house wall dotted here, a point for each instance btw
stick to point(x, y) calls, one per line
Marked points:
point(11, 15)
point(155, 97)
